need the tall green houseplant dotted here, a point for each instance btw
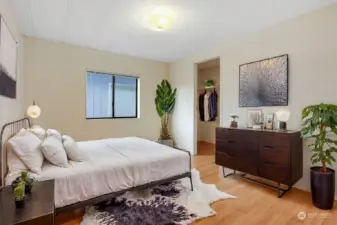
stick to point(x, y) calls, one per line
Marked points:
point(320, 125)
point(165, 101)
point(318, 122)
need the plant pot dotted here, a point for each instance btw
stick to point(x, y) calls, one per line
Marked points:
point(19, 204)
point(322, 188)
point(234, 124)
point(167, 142)
point(28, 188)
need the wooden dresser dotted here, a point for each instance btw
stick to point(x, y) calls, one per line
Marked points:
point(273, 155)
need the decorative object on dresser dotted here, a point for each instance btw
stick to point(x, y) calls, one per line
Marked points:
point(38, 209)
point(283, 117)
point(254, 119)
point(264, 82)
point(320, 125)
point(273, 155)
point(234, 121)
point(268, 121)
point(165, 101)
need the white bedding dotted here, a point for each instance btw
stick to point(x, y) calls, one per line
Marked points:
point(112, 165)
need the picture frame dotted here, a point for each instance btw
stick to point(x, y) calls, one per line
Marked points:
point(269, 121)
point(254, 117)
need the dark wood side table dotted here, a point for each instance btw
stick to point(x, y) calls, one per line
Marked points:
point(38, 210)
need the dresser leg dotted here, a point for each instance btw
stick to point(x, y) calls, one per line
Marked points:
point(281, 191)
point(230, 174)
point(278, 190)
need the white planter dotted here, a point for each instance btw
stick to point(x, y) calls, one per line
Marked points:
point(168, 142)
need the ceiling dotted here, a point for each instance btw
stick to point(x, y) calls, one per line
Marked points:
point(117, 25)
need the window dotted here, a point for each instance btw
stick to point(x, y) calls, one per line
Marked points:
point(111, 96)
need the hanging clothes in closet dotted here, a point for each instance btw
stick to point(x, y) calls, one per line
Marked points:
point(208, 105)
point(213, 106)
point(202, 106)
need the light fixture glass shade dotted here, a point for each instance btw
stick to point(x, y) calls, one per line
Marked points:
point(33, 111)
point(161, 19)
point(283, 115)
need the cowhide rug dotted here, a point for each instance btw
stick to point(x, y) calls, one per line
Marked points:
point(169, 204)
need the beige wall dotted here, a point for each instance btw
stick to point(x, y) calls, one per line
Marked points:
point(310, 41)
point(206, 130)
point(56, 80)
point(12, 109)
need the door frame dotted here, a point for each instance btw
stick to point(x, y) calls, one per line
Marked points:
point(196, 100)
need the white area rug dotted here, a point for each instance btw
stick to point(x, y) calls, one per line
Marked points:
point(172, 203)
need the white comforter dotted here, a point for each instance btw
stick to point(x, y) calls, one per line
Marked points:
point(112, 165)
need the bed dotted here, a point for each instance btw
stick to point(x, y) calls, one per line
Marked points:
point(112, 167)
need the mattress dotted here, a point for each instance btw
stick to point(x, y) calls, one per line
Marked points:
point(112, 165)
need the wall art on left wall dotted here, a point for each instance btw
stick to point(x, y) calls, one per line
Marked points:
point(8, 61)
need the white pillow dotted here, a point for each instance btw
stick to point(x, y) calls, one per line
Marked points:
point(55, 133)
point(72, 149)
point(27, 147)
point(52, 149)
point(38, 131)
point(15, 165)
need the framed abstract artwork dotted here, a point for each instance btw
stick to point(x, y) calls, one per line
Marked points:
point(264, 82)
point(8, 61)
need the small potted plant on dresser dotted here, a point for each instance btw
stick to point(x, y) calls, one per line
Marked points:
point(320, 125)
point(234, 121)
point(19, 195)
point(165, 101)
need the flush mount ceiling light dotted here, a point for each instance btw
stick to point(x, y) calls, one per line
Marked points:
point(161, 19)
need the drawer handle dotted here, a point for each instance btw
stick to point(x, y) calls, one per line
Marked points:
point(270, 163)
point(231, 142)
point(268, 146)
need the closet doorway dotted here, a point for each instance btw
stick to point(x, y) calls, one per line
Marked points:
point(208, 105)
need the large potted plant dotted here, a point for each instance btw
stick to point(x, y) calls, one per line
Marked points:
point(320, 125)
point(165, 101)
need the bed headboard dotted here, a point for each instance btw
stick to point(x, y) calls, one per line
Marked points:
point(7, 131)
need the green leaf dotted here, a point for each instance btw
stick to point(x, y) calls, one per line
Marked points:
point(317, 122)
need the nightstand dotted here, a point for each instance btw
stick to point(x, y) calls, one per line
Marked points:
point(39, 206)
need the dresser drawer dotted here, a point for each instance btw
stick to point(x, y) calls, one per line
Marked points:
point(274, 154)
point(248, 166)
point(274, 139)
point(236, 148)
point(244, 136)
point(223, 146)
point(221, 133)
point(275, 173)
point(225, 160)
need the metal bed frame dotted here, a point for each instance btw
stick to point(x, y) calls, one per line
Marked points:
point(15, 127)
